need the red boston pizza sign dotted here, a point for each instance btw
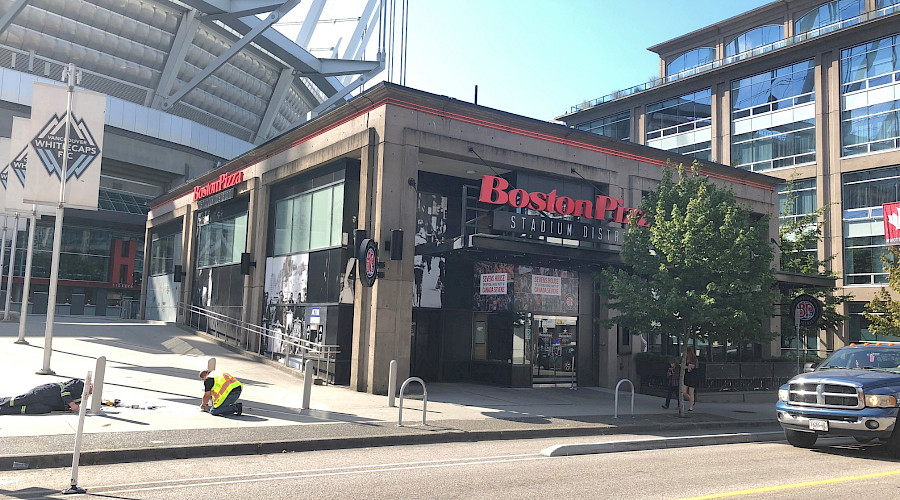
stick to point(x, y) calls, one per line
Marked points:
point(224, 181)
point(495, 190)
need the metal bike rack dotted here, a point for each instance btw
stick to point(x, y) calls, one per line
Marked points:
point(616, 412)
point(424, 399)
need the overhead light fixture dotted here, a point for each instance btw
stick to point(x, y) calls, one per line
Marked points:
point(470, 172)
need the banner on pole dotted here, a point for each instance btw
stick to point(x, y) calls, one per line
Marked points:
point(5, 146)
point(12, 175)
point(45, 149)
point(891, 223)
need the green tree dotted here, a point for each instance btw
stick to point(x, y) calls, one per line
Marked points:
point(702, 269)
point(799, 236)
point(883, 312)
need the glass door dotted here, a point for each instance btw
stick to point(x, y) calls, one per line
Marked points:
point(553, 349)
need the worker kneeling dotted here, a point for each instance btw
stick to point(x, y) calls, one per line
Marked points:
point(221, 392)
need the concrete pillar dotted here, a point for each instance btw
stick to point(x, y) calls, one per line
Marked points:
point(721, 123)
point(362, 299)
point(188, 260)
point(254, 283)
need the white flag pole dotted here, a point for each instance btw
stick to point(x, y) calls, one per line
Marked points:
point(3, 248)
point(26, 281)
point(57, 231)
point(12, 266)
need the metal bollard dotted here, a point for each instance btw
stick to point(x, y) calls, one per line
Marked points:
point(307, 384)
point(100, 372)
point(392, 384)
point(616, 411)
point(424, 400)
point(76, 455)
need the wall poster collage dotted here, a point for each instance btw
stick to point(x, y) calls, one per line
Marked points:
point(429, 271)
point(510, 287)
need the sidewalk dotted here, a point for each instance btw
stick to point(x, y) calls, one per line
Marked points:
point(156, 365)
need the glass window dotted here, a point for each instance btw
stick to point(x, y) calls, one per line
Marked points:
point(773, 143)
point(691, 59)
point(616, 126)
point(309, 221)
point(162, 254)
point(828, 15)
point(320, 230)
point(757, 37)
point(870, 110)
point(221, 243)
point(863, 194)
point(689, 111)
point(300, 241)
point(802, 197)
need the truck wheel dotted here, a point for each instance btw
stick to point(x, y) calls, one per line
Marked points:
point(800, 439)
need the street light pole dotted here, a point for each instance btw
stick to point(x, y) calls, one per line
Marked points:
point(70, 72)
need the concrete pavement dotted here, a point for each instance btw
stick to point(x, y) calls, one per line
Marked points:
point(154, 365)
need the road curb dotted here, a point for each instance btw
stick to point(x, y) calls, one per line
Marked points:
point(412, 435)
point(661, 443)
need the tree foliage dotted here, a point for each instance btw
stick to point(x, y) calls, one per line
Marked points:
point(703, 267)
point(883, 312)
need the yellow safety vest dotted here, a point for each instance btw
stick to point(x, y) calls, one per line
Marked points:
point(225, 383)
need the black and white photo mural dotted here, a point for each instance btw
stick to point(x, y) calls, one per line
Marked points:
point(429, 270)
point(286, 288)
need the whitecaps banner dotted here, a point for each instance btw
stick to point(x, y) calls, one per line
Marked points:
point(45, 149)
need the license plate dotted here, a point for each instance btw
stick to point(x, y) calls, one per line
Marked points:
point(818, 425)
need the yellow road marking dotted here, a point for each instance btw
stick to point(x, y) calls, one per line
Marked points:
point(793, 486)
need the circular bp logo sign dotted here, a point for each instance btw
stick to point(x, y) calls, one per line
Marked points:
point(807, 308)
point(368, 261)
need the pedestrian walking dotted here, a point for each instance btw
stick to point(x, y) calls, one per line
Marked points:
point(672, 381)
point(220, 393)
point(691, 376)
point(55, 396)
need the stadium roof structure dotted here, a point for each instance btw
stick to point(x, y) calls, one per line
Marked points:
point(219, 63)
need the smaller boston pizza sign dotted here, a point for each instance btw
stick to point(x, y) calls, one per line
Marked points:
point(367, 259)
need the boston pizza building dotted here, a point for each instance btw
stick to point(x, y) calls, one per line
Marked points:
point(458, 240)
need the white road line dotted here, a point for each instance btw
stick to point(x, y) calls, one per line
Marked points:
point(330, 472)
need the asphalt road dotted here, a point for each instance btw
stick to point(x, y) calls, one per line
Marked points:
point(836, 469)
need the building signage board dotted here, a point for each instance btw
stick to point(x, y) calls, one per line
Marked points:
point(45, 149)
point(224, 182)
point(891, 223)
point(493, 284)
point(215, 199)
point(546, 285)
point(536, 225)
point(497, 191)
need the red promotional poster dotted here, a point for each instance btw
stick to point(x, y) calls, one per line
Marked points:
point(891, 223)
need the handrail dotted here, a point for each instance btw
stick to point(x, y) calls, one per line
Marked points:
point(725, 61)
point(424, 399)
point(616, 411)
point(309, 350)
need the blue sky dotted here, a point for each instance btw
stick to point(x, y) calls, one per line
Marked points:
point(540, 57)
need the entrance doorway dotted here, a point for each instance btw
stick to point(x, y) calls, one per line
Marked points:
point(425, 354)
point(553, 349)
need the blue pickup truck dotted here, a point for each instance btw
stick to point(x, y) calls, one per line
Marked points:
point(854, 392)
